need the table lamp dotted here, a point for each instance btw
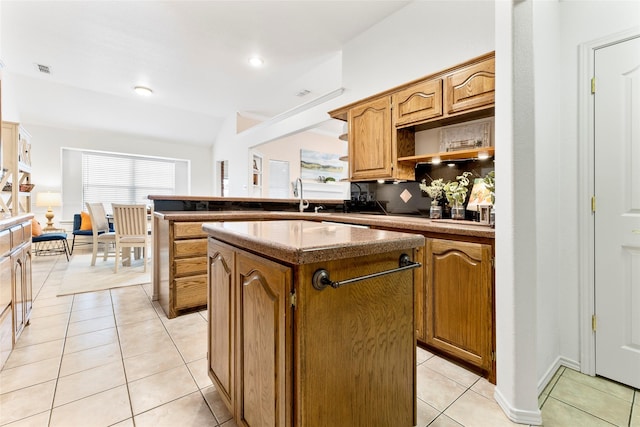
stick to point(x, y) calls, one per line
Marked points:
point(49, 200)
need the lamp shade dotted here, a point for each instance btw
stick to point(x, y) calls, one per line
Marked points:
point(48, 199)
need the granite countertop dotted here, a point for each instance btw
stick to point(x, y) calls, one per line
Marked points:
point(303, 242)
point(396, 222)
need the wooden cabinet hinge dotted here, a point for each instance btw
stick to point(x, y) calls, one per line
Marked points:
point(493, 356)
point(593, 85)
point(292, 299)
point(594, 323)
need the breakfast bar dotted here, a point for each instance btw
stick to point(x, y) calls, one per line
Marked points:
point(312, 323)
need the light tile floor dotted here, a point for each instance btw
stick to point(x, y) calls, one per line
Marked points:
point(112, 358)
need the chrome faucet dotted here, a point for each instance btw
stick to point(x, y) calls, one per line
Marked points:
point(303, 203)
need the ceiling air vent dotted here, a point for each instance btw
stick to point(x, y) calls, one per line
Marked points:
point(44, 68)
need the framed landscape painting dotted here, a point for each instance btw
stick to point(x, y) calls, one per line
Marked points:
point(316, 166)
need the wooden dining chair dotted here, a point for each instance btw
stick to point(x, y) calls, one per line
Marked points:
point(101, 232)
point(130, 223)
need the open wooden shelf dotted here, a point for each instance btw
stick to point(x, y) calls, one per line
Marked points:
point(448, 155)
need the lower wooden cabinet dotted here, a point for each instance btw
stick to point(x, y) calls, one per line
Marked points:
point(459, 302)
point(221, 339)
point(180, 272)
point(263, 319)
point(250, 323)
point(22, 288)
point(16, 295)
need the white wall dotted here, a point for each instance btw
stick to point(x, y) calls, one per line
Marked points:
point(288, 149)
point(415, 41)
point(46, 161)
point(546, 32)
point(560, 27)
point(581, 21)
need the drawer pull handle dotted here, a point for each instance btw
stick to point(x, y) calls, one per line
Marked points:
point(637, 231)
point(321, 277)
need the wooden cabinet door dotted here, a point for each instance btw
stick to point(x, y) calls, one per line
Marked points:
point(419, 102)
point(420, 289)
point(370, 140)
point(27, 286)
point(459, 300)
point(263, 319)
point(221, 339)
point(17, 279)
point(471, 87)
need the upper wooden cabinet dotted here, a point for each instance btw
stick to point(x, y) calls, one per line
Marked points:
point(370, 140)
point(471, 87)
point(382, 128)
point(417, 103)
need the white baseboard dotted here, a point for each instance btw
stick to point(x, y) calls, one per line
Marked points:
point(517, 415)
point(548, 375)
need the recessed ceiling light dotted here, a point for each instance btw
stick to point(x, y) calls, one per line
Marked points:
point(143, 91)
point(256, 61)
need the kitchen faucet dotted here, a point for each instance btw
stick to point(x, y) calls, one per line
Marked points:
point(303, 203)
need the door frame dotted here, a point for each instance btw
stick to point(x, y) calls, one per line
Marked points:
point(586, 177)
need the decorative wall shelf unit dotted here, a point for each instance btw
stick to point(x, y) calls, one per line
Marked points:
point(15, 177)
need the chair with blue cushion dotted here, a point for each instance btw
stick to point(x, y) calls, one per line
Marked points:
point(51, 243)
point(77, 221)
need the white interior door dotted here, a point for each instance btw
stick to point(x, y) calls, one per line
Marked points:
point(278, 179)
point(617, 216)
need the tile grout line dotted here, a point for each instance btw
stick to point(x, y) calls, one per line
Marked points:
point(64, 344)
point(124, 369)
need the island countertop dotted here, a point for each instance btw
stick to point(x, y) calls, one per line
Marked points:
point(303, 242)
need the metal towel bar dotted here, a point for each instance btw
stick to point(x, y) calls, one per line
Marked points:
point(321, 277)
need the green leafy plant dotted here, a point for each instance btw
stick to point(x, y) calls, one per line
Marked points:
point(490, 184)
point(435, 190)
point(456, 191)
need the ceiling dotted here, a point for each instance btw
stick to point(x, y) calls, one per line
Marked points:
point(192, 54)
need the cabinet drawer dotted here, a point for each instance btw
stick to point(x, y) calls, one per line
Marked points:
point(186, 230)
point(472, 87)
point(190, 266)
point(17, 236)
point(5, 242)
point(419, 102)
point(26, 230)
point(191, 291)
point(190, 248)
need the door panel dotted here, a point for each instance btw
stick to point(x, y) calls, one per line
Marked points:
point(617, 217)
point(262, 314)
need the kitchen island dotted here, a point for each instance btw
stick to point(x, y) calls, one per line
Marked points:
point(312, 324)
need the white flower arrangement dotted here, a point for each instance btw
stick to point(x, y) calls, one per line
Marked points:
point(435, 190)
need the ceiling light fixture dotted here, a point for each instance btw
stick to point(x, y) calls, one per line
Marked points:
point(143, 91)
point(256, 61)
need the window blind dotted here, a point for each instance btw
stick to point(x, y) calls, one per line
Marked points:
point(121, 178)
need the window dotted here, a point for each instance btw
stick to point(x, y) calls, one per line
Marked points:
point(119, 178)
